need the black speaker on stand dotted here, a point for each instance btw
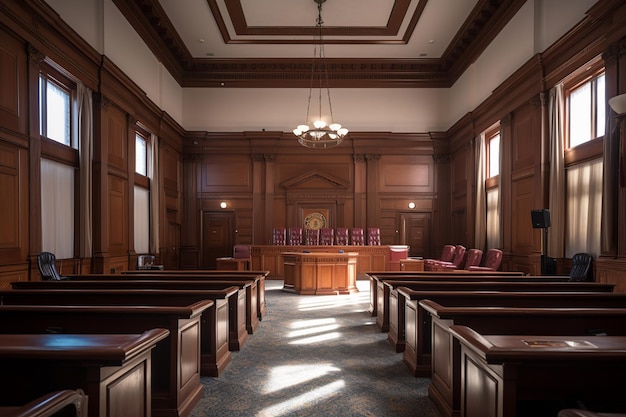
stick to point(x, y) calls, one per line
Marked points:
point(541, 220)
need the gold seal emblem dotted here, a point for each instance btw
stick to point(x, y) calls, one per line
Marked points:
point(315, 221)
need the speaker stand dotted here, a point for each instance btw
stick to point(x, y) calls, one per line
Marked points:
point(544, 254)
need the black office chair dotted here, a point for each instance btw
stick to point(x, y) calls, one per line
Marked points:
point(581, 266)
point(46, 262)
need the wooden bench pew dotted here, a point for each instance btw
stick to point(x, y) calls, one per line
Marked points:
point(445, 387)
point(375, 277)
point(115, 371)
point(238, 312)
point(214, 328)
point(390, 311)
point(250, 284)
point(63, 403)
point(417, 326)
point(383, 292)
point(258, 276)
point(535, 375)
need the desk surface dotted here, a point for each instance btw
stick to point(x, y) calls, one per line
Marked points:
point(503, 348)
point(101, 348)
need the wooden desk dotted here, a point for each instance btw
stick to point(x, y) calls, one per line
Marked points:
point(113, 369)
point(175, 368)
point(214, 331)
point(232, 264)
point(257, 276)
point(417, 328)
point(505, 376)
point(371, 258)
point(238, 311)
point(410, 264)
point(445, 387)
point(320, 273)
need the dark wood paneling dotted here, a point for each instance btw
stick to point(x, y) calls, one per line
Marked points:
point(118, 217)
point(13, 82)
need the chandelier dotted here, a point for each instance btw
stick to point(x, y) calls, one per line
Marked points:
point(322, 133)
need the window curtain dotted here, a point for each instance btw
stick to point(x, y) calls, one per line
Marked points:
point(153, 173)
point(480, 230)
point(84, 130)
point(57, 208)
point(556, 124)
point(142, 220)
point(584, 208)
point(494, 206)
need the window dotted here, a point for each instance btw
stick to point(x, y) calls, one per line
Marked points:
point(57, 208)
point(141, 155)
point(493, 155)
point(55, 110)
point(141, 213)
point(60, 167)
point(586, 108)
point(584, 207)
point(492, 187)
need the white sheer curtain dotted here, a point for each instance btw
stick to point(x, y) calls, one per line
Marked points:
point(584, 208)
point(480, 230)
point(57, 208)
point(153, 173)
point(556, 111)
point(494, 206)
point(141, 221)
point(84, 129)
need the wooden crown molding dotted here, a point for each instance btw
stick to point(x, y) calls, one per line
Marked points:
point(151, 22)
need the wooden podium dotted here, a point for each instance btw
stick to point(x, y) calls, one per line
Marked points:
point(320, 273)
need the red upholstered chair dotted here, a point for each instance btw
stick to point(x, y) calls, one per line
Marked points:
point(472, 258)
point(373, 236)
point(241, 251)
point(356, 237)
point(493, 258)
point(327, 236)
point(279, 236)
point(312, 237)
point(446, 256)
point(457, 261)
point(341, 236)
point(295, 236)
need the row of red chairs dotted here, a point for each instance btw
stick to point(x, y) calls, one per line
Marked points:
point(458, 257)
point(340, 236)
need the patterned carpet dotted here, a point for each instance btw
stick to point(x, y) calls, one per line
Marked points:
point(316, 356)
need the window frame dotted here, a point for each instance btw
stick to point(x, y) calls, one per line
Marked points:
point(49, 74)
point(54, 150)
point(493, 180)
point(589, 73)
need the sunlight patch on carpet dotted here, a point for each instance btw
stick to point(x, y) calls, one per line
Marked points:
point(303, 400)
point(282, 377)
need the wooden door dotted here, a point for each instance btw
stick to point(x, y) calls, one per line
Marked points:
point(171, 255)
point(217, 237)
point(415, 232)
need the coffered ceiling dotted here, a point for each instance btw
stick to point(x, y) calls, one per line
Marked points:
point(270, 43)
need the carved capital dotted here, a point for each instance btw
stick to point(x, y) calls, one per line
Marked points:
point(372, 157)
point(506, 120)
point(263, 157)
point(442, 158)
point(358, 157)
point(34, 55)
point(191, 157)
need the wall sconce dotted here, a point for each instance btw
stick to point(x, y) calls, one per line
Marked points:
point(411, 205)
point(618, 104)
point(223, 204)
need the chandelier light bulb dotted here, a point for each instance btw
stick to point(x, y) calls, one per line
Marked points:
point(321, 135)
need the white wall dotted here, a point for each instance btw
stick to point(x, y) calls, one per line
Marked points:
point(234, 109)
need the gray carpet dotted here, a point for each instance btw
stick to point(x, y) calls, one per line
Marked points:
point(316, 356)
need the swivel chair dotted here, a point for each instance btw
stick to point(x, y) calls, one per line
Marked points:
point(46, 262)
